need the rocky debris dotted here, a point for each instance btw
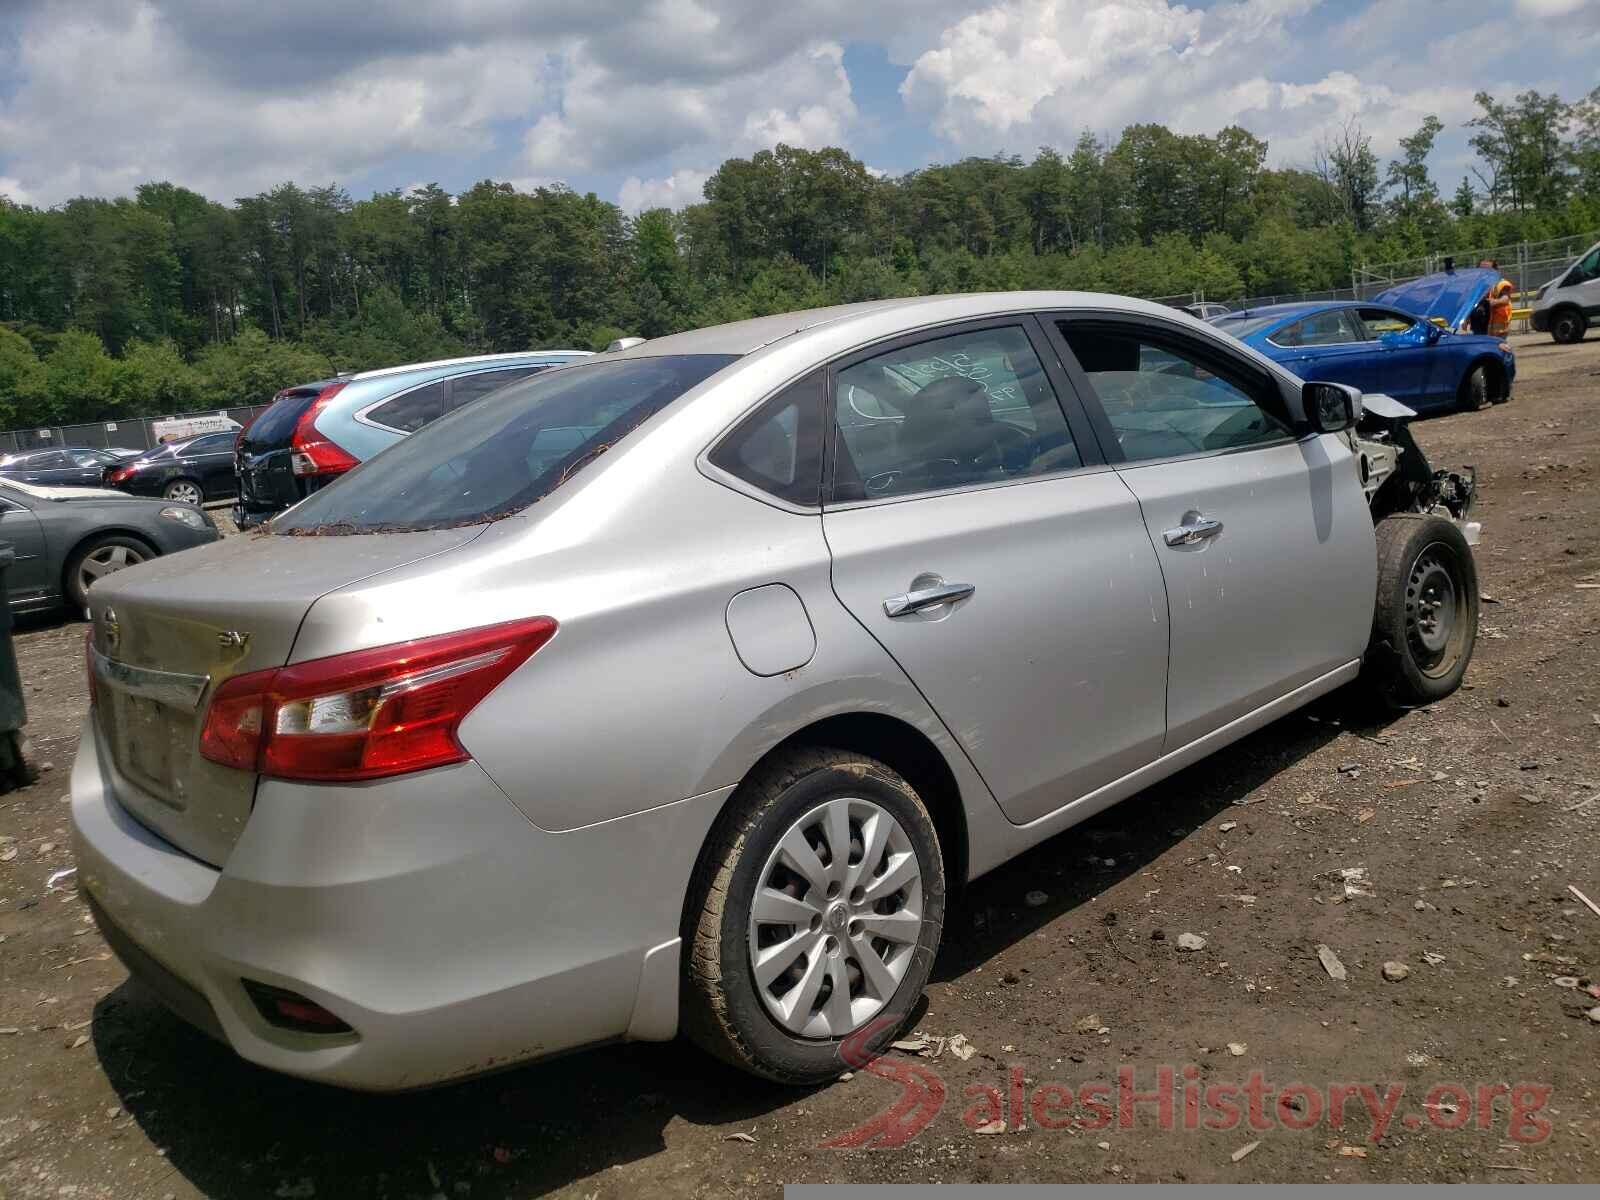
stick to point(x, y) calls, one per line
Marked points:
point(1191, 941)
point(1330, 963)
point(1394, 971)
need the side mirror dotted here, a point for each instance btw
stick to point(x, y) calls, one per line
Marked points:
point(1433, 334)
point(1330, 407)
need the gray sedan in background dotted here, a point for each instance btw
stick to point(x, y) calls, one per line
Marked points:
point(674, 690)
point(65, 538)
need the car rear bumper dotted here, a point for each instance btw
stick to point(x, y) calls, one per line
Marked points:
point(451, 935)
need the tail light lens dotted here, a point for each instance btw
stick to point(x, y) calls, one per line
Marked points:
point(118, 474)
point(366, 715)
point(310, 452)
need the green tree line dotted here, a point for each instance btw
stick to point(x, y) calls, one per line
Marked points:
point(169, 300)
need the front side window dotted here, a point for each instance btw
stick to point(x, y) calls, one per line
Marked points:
point(1380, 321)
point(494, 458)
point(1165, 397)
point(969, 408)
point(1585, 269)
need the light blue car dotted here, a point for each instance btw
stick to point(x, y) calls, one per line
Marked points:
point(314, 432)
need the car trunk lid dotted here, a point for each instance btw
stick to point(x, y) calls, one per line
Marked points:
point(166, 634)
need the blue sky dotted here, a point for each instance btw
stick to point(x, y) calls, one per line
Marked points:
point(637, 100)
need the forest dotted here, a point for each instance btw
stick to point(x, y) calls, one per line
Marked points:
point(169, 300)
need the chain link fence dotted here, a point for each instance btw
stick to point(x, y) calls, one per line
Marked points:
point(136, 433)
point(1528, 265)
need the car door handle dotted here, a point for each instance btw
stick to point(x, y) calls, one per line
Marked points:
point(1192, 532)
point(929, 597)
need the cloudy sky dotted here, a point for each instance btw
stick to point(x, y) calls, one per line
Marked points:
point(638, 99)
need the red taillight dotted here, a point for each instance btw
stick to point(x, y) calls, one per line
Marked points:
point(385, 711)
point(310, 452)
point(118, 474)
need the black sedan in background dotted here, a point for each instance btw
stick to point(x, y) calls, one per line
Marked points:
point(67, 466)
point(189, 472)
point(66, 538)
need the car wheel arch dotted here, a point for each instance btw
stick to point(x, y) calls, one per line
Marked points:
point(898, 744)
point(68, 559)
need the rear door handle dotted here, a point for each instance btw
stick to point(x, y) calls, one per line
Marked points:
point(929, 597)
point(1192, 532)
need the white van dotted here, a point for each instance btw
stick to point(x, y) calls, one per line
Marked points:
point(1570, 302)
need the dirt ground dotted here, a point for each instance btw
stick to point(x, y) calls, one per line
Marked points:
point(1469, 820)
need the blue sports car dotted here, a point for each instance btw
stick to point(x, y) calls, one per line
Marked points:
point(1381, 348)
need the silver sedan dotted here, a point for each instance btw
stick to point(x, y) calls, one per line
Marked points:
point(675, 690)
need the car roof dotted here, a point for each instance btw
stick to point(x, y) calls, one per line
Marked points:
point(523, 356)
point(882, 318)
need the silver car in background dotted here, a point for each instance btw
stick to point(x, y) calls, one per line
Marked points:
point(676, 689)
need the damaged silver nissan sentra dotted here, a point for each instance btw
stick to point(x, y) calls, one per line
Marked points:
point(674, 690)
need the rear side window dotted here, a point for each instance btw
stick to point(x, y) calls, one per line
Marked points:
point(212, 443)
point(494, 458)
point(464, 389)
point(1319, 329)
point(410, 411)
point(968, 408)
point(778, 448)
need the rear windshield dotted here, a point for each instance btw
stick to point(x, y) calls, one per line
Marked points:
point(498, 455)
point(273, 428)
point(1242, 327)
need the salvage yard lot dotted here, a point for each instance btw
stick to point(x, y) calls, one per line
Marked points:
point(1464, 824)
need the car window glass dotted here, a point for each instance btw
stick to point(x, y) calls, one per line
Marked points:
point(1319, 329)
point(50, 460)
point(778, 448)
point(464, 389)
point(210, 444)
point(1379, 321)
point(970, 408)
point(1164, 398)
point(1586, 268)
point(410, 411)
point(494, 458)
point(85, 458)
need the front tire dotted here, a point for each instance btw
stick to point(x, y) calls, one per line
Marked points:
point(815, 912)
point(1425, 621)
point(1567, 326)
point(1475, 390)
point(98, 557)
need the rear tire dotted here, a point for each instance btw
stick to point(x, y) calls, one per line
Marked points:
point(1425, 621)
point(1474, 390)
point(97, 557)
point(866, 829)
point(184, 491)
point(1567, 326)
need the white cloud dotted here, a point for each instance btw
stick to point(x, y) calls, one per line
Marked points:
point(12, 190)
point(157, 110)
point(1026, 72)
point(610, 119)
point(1544, 9)
point(683, 187)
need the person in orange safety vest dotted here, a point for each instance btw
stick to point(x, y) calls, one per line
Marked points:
point(1499, 304)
